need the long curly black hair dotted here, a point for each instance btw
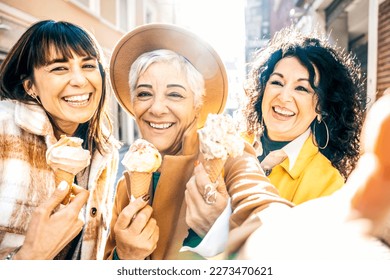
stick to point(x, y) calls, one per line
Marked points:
point(341, 96)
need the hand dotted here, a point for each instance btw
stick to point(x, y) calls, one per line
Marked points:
point(48, 233)
point(200, 216)
point(372, 198)
point(136, 231)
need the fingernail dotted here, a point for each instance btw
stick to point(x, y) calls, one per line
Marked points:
point(146, 197)
point(63, 185)
point(196, 163)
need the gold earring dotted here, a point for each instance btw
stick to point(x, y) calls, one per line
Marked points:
point(35, 96)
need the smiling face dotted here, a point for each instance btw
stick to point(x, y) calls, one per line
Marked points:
point(289, 101)
point(163, 106)
point(69, 89)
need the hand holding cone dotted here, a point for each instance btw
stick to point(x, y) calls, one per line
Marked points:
point(67, 158)
point(218, 140)
point(141, 160)
point(61, 175)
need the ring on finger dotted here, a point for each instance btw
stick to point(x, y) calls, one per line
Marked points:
point(210, 194)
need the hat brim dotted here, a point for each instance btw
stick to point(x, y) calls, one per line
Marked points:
point(151, 37)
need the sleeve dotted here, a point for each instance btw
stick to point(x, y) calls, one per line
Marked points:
point(216, 239)
point(250, 190)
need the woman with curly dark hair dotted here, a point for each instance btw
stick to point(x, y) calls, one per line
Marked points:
point(305, 110)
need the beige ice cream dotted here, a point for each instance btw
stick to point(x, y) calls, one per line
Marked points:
point(140, 161)
point(219, 139)
point(67, 158)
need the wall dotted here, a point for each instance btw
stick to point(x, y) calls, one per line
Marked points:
point(383, 74)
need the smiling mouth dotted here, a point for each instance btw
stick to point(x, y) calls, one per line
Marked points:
point(78, 100)
point(160, 125)
point(283, 112)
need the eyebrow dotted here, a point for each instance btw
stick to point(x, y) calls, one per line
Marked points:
point(64, 59)
point(168, 86)
point(280, 75)
point(176, 85)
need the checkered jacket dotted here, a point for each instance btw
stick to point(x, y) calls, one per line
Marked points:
point(26, 180)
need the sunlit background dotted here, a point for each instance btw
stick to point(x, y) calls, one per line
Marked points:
point(236, 28)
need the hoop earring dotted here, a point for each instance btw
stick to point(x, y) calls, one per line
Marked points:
point(320, 120)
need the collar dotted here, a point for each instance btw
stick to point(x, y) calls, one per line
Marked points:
point(293, 148)
point(33, 118)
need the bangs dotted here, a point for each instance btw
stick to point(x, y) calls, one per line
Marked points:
point(72, 40)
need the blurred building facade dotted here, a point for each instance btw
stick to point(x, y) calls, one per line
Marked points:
point(108, 20)
point(360, 26)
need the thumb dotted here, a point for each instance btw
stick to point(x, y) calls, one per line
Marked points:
point(59, 194)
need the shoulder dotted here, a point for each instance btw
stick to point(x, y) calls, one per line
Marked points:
point(7, 109)
point(7, 118)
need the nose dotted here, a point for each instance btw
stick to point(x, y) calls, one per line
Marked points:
point(286, 94)
point(78, 78)
point(158, 107)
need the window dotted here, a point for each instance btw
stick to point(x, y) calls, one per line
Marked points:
point(93, 6)
point(123, 15)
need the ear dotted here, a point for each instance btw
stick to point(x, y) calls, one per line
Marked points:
point(28, 87)
point(197, 111)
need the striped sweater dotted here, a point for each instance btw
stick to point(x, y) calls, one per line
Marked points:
point(26, 180)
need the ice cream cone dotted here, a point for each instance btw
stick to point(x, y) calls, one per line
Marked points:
point(61, 175)
point(214, 168)
point(140, 183)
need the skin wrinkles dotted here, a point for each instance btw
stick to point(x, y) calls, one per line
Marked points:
point(163, 106)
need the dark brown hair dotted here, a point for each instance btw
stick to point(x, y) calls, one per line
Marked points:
point(32, 50)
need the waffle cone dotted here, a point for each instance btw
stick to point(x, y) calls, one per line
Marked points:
point(61, 175)
point(214, 168)
point(140, 183)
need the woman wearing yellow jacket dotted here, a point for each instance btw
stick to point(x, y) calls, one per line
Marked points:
point(304, 114)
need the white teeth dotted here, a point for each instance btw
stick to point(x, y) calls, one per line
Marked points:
point(161, 126)
point(283, 111)
point(77, 98)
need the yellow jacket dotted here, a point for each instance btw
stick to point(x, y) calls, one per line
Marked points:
point(248, 187)
point(312, 175)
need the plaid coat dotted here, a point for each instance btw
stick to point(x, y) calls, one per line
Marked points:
point(26, 180)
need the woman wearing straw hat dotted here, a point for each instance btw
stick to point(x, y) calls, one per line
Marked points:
point(157, 73)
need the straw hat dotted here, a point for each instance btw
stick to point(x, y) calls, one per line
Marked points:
point(151, 37)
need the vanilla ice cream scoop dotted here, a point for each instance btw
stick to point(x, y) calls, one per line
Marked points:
point(141, 160)
point(68, 155)
point(142, 156)
point(219, 138)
